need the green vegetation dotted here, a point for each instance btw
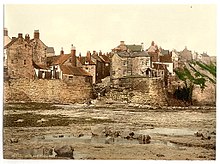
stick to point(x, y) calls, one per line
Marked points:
point(194, 73)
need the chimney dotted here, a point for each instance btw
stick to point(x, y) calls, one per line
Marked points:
point(19, 35)
point(88, 56)
point(152, 43)
point(27, 37)
point(73, 54)
point(142, 46)
point(61, 52)
point(36, 34)
point(80, 57)
point(122, 42)
point(5, 32)
point(100, 53)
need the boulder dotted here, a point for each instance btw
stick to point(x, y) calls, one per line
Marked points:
point(64, 151)
point(101, 130)
point(109, 140)
point(144, 139)
point(98, 130)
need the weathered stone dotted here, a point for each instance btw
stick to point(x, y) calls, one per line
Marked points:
point(64, 151)
point(14, 140)
point(41, 120)
point(144, 139)
point(109, 140)
point(43, 90)
point(98, 130)
point(19, 120)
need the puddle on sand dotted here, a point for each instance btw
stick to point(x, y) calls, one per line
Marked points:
point(46, 153)
point(70, 139)
point(167, 131)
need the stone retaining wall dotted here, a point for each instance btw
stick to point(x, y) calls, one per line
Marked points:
point(42, 90)
point(145, 91)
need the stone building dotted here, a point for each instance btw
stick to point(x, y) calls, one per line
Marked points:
point(24, 54)
point(128, 61)
point(204, 57)
point(19, 58)
point(102, 65)
point(106, 61)
point(39, 49)
point(185, 55)
point(6, 40)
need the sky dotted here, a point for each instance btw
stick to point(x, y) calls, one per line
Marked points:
point(102, 27)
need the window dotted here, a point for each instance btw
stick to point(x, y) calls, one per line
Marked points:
point(13, 72)
point(70, 77)
point(12, 61)
point(124, 62)
point(24, 62)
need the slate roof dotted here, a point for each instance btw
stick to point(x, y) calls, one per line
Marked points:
point(205, 54)
point(134, 48)
point(133, 54)
point(50, 50)
point(71, 70)
point(165, 52)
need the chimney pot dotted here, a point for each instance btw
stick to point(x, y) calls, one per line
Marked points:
point(122, 42)
point(27, 37)
point(73, 54)
point(19, 35)
point(5, 32)
point(61, 52)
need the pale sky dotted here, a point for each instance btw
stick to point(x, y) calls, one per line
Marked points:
point(102, 27)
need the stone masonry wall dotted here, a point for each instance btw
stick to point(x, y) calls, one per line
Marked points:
point(53, 91)
point(147, 91)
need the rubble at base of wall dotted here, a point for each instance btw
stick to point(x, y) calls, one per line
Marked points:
point(51, 91)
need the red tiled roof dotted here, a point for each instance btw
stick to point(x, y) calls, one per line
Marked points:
point(166, 59)
point(40, 66)
point(61, 59)
point(95, 56)
point(105, 58)
point(71, 70)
